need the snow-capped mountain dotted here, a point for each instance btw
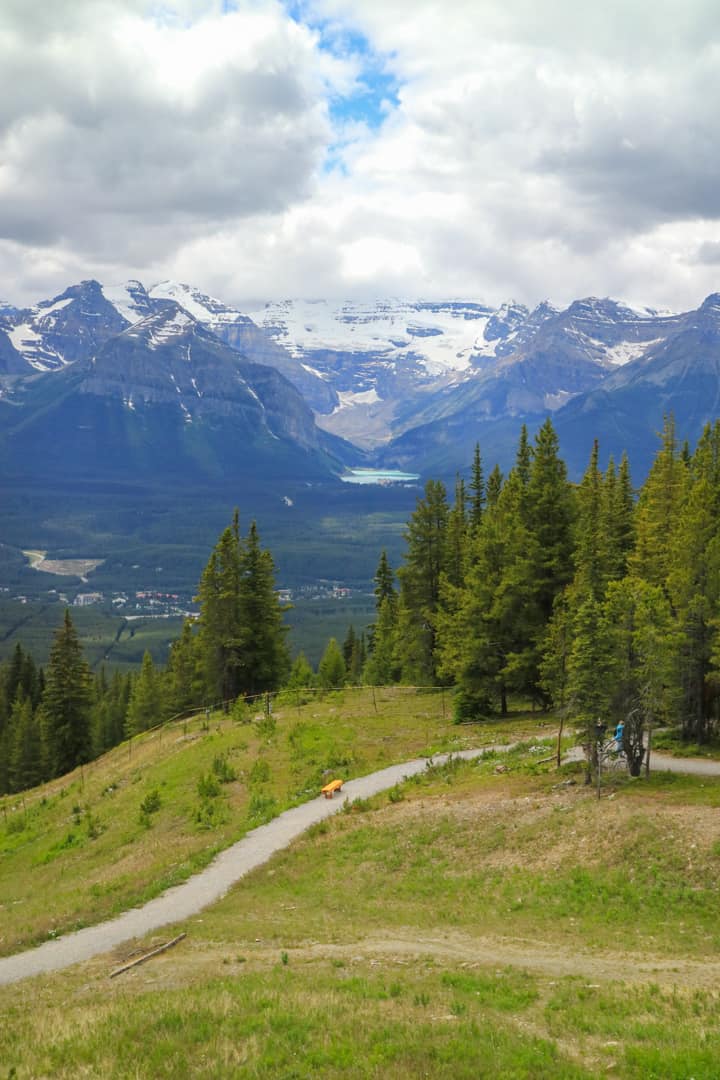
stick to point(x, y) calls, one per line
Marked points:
point(56, 332)
point(416, 382)
point(163, 401)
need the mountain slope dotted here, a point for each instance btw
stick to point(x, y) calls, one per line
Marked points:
point(165, 400)
point(679, 375)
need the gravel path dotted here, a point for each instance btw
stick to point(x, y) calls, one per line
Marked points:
point(182, 901)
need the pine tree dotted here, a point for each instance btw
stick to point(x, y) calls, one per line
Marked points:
point(523, 458)
point(264, 659)
point(241, 641)
point(301, 674)
point(547, 509)
point(420, 579)
point(348, 646)
point(617, 519)
point(145, 708)
point(67, 702)
point(589, 667)
point(591, 554)
point(219, 637)
point(25, 749)
point(692, 561)
point(331, 669)
point(384, 581)
point(658, 509)
point(456, 545)
point(482, 638)
point(183, 679)
point(477, 490)
point(638, 624)
point(494, 487)
point(381, 667)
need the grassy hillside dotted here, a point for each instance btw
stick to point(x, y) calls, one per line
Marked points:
point(487, 919)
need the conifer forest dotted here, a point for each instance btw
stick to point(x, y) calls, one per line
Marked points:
point(596, 600)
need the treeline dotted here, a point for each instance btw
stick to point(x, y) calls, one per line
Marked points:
point(55, 719)
point(593, 598)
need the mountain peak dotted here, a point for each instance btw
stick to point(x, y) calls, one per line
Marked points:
point(167, 325)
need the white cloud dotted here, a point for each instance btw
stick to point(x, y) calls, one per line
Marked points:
point(552, 149)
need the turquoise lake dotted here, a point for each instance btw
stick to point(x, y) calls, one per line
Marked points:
point(379, 476)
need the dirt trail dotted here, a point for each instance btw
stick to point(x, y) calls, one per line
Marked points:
point(183, 901)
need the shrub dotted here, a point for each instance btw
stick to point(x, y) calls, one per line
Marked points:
point(469, 706)
point(223, 770)
point(151, 803)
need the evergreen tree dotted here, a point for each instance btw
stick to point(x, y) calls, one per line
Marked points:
point(494, 487)
point(264, 658)
point(109, 712)
point(658, 509)
point(25, 747)
point(637, 622)
point(67, 702)
point(384, 581)
point(548, 510)
point(589, 668)
point(482, 637)
point(349, 645)
point(617, 519)
point(692, 561)
point(381, 667)
point(523, 458)
point(456, 546)
point(145, 708)
point(220, 636)
point(591, 554)
point(241, 640)
point(331, 669)
point(183, 678)
point(477, 490)
point(301, 674)
point(420, 578)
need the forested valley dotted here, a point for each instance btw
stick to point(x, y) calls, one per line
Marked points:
point(594, 600)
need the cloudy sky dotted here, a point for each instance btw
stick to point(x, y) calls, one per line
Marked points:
point(261, 149)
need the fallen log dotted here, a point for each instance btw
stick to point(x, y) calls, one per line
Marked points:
point(147, 955)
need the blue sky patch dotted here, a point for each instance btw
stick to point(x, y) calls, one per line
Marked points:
point(376, 92)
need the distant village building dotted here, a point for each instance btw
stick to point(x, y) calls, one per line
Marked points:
point(85, 599)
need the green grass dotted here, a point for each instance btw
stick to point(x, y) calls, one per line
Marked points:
point(426, 932)
point(85, 840)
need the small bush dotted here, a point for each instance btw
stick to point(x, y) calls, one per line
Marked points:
point(267, 726)
point(151, 803)
point(262, 808)
point(260, 772)
point(223, 769)
point(208, 787)
point(471, 706)
point(240, 712)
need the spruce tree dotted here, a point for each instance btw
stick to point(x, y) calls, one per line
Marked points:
point(264, 660)
point(301, 674)
point(477, 490)
point(25, 748)
point(384, 581)
point(494, 487)
point(67, 702)
point(331, 669)
point(381, 667)
point(145, 708)
point(658, 508)
point(420, 580)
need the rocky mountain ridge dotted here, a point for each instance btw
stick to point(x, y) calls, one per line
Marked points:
point(415, 382)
